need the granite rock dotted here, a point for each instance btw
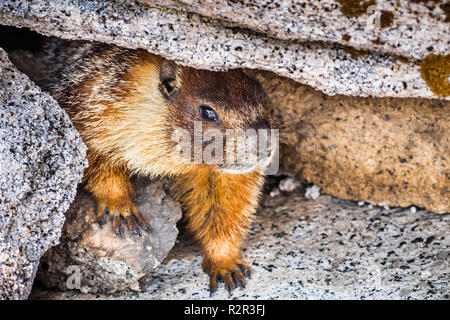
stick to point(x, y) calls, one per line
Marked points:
point(417, 28)
point(191, 35)
point(42, 159)
point(317, 249)
point(99, 257)
point(383, 150)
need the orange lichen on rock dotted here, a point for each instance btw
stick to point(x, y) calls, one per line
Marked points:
point(386, 19)
point(355, 53)
point(353, 8)
point(435, 70)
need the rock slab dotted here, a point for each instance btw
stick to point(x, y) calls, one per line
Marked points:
point(195, 34)
point(42, 159)
point(103, 261)
point(389, 151)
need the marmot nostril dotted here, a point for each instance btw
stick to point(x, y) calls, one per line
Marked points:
point(127, 104)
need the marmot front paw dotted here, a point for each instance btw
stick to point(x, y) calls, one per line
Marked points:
point(233, 274)
point(122, 212)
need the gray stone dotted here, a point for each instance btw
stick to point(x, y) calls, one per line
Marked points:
point(42, 159)
point(318, 249)
point(415, 28)
point(289, 184)
point(221, 42)
point(104, 261)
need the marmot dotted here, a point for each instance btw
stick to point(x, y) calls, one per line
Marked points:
point(126, 104)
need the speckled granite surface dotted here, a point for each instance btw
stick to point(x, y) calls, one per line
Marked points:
point(200, 42)
point(326, 20)
point(42, 159)
point(318, 249)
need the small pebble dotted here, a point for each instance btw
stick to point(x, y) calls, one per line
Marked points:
point(275, 192)
point(289, 184)
point(361, 203)
point(312, 192)
point(413, 209)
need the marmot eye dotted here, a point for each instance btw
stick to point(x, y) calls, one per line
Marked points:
point(208, 114)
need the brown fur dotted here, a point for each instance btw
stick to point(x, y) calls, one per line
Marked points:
point(123, 105)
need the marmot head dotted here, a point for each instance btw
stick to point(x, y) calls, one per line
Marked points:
point(223, 113)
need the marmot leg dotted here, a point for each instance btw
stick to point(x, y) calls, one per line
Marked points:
point(114, 196)
point(219, 211)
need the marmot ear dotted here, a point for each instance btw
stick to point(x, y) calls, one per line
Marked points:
point(169, 83)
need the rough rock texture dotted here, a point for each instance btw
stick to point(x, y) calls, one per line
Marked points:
point(42, 159)
point(389, 151)
point(16, 273)
point(204, 39)
point(331, 21)
point(106, 262)
point(383, 150)
point(318, 249)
